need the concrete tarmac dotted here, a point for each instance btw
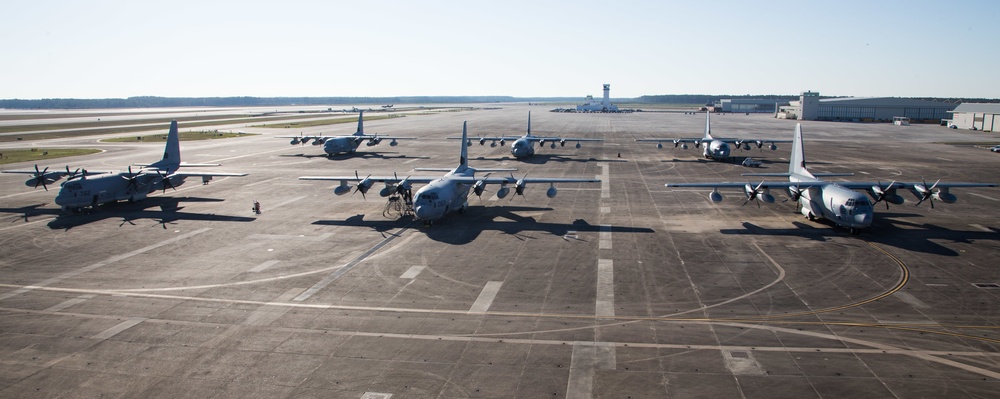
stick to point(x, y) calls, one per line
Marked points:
point(624, 289)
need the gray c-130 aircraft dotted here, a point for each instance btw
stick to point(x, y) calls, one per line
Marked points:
point(348, 144)
point(836, 201)
point(449, 193)
point(524, 146)
point(92, 188)
point(716, 148)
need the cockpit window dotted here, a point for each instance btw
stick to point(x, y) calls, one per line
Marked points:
point(73, 186)
point(428, 196)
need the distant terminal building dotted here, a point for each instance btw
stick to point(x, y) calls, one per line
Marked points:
point(604, 105)
point(976, 116)
point(856, 109)
point(748, 105)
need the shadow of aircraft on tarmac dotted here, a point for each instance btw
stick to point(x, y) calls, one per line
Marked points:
point(463, 229)
point(887, 230)
point(168, 213)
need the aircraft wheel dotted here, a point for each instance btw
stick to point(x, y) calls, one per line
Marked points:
point(811, 217)
point(77, 210)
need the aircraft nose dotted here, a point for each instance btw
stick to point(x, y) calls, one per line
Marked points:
point(423, 212)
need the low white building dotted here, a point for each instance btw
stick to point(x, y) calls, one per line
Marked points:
point(976, 116)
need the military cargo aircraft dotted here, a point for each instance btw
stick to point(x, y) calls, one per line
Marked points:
point(89, 188)
point(524, 146)
point(836, 201)
point(716, 148)
point(448, 193)
point(333, 145)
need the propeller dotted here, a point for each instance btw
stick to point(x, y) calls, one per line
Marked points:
point(40, 177)
point(363, 185)
point(166, 181)
point(752, 193)
point(480, 186)
point(403, 186)
point(880, 192)
point(71, 175)
point(794, 193)
point(519, 186)
point(927, 193)
point(131, 179)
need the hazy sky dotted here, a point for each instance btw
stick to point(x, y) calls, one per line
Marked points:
point(102, 49)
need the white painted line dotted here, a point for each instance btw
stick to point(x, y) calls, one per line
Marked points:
point(261, 267)
point(37, 220)
point(605, 242)
point(605, 306)
point(412, 272)
point(65, 304)
point(605, 181)
point(347, 267)
point(376, 395)
point(910, 299)
point(125, 325)
point(485, 299)
point(102, 263)
point(262, 182)
point(299, 237)
point(983, 196)
point(287, 202)
point(588, 357)
point(269, 312)
point(981, 227)
point(946, 159)
point(605, 209)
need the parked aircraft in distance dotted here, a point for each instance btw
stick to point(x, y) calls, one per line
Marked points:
point(716, 148)
point(333, 145)
point(448, 193)
point(836, 201)
point(90, 189)
point(387, 106)
point(524, 146)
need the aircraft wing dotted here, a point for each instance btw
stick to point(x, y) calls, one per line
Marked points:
point(311, 137)
point(204, 174)
point(378, 136)
point(541, 138)
point(673, 140)
point(378, 179)
point(764, 184)
point(514, 180)
point(911, 185)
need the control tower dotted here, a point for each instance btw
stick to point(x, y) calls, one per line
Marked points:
point(604, 105)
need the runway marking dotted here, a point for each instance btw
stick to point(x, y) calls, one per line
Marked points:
point(267, 313)
point(981, 227)
point(910, 299)
point(376, 395)
point(125, 325)
point(65, 304)
point(102, 263)
point(17, 195)
point(605, 241)
point(983, 196)
point(261, 267)
point(605, 306)
point(412, 272)
point(486, 297)
point(588, 357)
point(288, 202)
point(605, 180)
point(262, 182)
point(37, 220)
point(946, 159)
point(605, 209)
point(350, 265)
point(299, 237)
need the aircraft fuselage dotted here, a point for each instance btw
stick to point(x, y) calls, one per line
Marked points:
point(343, 144)
point(841, 205)
point(717, 149)
point(109, 187)
point(441, 196)
point(522, 148)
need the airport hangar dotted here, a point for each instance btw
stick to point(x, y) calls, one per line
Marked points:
point(864, 109)
point(976, 116)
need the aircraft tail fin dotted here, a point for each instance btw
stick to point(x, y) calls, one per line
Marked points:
point(708, 125)
point(797, 161)
point(529, 123)
point(172, 152)
point(361, 124)
point(463, 161)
